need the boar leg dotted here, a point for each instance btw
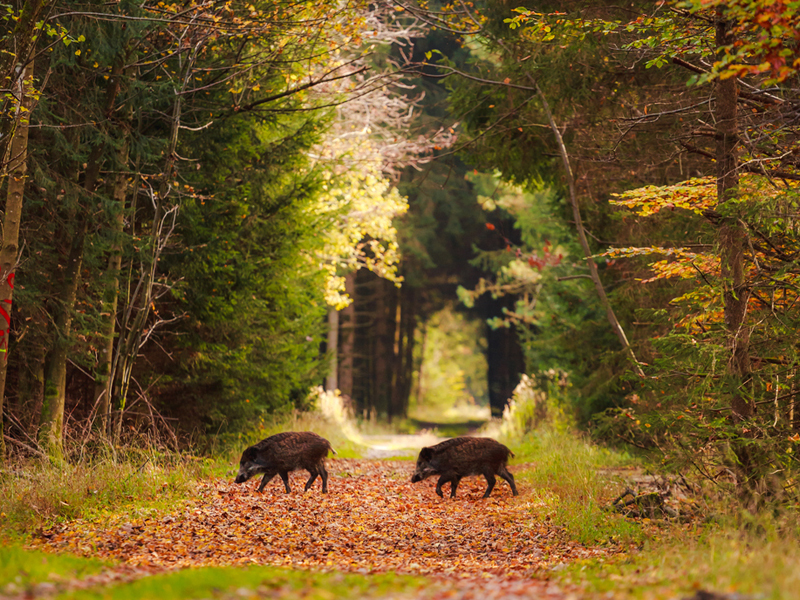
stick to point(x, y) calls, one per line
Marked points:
point(491, 481)
point(506, 474)
point(442, 480)
point(265, 480)
point(323, 472)
point(453, 485)
point(285, 476)
point(313, 475)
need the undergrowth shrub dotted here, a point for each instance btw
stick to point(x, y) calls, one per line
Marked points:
point(536, 401)
point(746, 555)
point(37, 493)
point(330, 416)
point(570, 478)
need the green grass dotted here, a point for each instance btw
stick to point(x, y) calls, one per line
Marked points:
point(37, 493)
point(565, 477)
point(22, 569)
point(252, 582)
point(678, 561)
point(754, 555)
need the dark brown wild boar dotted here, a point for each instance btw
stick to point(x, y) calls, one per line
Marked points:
point(461, 457)
point(285, 452)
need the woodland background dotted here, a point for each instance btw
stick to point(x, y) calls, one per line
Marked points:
point(213, 207)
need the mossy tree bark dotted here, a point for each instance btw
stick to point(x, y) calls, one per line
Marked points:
point(51, 432)
point(104, 381)
point(9, 251)
point(731, 235)
point(15, 62)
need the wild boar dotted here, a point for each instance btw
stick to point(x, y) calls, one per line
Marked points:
point(461, 457)
point(285, 452)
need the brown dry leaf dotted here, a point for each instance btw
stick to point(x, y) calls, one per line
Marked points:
point(373, 520)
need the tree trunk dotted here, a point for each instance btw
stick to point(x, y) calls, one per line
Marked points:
point(587, 251)
point(397, 381)
point(13, 61)
point(409, 326)
point(383, 342)
point(104, 382)
point(421, 371)
point(51, 433)
point(332, 380)
point(347, 323)
point(731, 236)
point(31, 389)
point(9, 252)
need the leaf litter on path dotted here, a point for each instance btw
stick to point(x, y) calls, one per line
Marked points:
point(372, 520)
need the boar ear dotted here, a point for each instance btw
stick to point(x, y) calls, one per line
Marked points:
point(426, 454)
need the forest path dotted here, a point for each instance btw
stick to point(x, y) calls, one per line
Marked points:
point(428, 433)
point(373, 520)
point(397, 445)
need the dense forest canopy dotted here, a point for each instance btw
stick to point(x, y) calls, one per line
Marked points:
point(212, 207)
point(670, 129)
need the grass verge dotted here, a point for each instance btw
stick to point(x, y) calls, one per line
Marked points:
point(680, 560)
point(39, 493)
point(21, 570)
point(31, 573)
point(756, 556)
point(565, 478)
point(252, 582)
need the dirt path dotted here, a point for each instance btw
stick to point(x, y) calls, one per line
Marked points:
point(387, 446)
point(373, 520)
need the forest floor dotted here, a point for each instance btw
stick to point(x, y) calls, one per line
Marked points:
point(373, 520)
point(101, 531)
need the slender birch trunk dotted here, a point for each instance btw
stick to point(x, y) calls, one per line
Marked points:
point(104, 382)
point(587, 251)
point(9, 251)
point(51, 433)
point(332, 380)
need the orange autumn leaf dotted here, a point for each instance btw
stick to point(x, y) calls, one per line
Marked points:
point(372, 520)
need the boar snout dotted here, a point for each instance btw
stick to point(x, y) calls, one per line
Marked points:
point(416, 477)
point(242, 475)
